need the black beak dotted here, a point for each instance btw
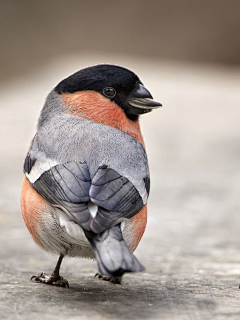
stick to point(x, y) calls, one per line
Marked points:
point(141, 101)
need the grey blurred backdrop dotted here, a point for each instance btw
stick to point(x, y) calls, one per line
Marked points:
point(187, 53)
point(34, 33)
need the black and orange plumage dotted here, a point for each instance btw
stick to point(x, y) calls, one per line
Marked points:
point(86, 179)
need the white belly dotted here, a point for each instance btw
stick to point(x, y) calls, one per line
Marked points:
point(60, 234)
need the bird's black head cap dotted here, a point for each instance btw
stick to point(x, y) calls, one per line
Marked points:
point(114, 82)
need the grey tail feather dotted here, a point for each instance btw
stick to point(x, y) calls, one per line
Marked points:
point(113, 256)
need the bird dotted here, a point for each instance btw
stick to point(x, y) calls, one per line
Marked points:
point(86, 175)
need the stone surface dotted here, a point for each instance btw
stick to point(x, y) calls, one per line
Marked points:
point(191, 248)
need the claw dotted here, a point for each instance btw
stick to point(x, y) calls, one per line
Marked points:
point(57, 281)
point(116, 280)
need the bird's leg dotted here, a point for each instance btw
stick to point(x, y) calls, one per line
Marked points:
point(55, 278)
point(116, 280)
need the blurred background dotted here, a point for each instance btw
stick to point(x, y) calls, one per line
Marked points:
point(187, 53)
point(37, 33)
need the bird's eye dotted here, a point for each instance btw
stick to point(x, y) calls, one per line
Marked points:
point(109, 92)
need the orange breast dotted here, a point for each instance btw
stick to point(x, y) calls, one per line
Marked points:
point(33, 207)
point(93, 106)
point(138, 225)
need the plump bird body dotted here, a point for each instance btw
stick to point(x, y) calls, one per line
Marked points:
point(86, 179)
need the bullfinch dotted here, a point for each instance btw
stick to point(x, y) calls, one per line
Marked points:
point(86, 180)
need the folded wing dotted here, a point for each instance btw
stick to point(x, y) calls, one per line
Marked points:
point(70, 187)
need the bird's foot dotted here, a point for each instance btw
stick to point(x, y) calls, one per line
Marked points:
point(116, 280)
point(54, 280)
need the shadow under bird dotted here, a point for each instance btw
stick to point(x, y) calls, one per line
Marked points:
point(86, 180)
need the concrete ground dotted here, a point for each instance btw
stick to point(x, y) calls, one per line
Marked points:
point(191, 248)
